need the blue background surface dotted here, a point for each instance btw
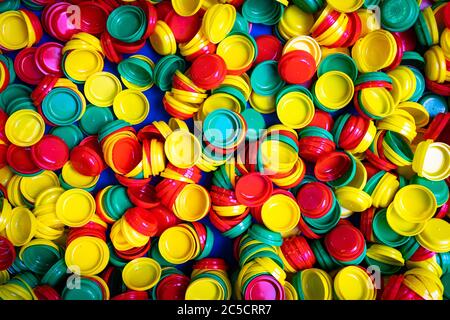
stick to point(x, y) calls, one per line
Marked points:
point(222, 246)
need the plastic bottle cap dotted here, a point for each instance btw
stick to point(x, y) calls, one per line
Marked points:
point(38, 256)
point(353, 199)
point(205, 289)
point(341, 92)
point(186, 9)
point(264, 287)
point(141, 274)
point(75, 207)
point(280, 213)
point(127, 23)
point(25, 128)
point(348, 6)
point(184, 28)
point(177, 245)
point(192, 203)
point(26, 67)
point(182, 149)
point(435, 236)
point(163, 40)
point(101, 88)
point(87, 256)
point(304, 43)
point(384, 232)
point(131, 106)
point(80, 64)
point(265, 79)
point(22, 226)
point(48, 58)
point(402, 226)
point(14, 35)
point(345, 242)
point(386, 255)
point(208, 71)
point(316, 284)
point(76, 179)
point(269, 48)
point(218, 21)
point(50, 153)
point(253, 189)
point(377, 101)
point(32, 187)
point(297, 66)
point(237, 51)
point(415, 203)
point(436, 157)
point(399, 17)
point(353, 283)
point(369, 61)
point(295, 110)
point(338, 62)
point(407, 79)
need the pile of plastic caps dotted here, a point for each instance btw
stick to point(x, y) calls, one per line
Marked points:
point(295, 150)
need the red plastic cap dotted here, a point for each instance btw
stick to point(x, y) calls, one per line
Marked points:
point(94, 15)
point(297, 67)
point(345, 242)
point(315, 199)
point(86, 161)
point(447, 15)
point(18, 158)
point(46, 292)
point(142, 221)
point(332, 166)
point(322, 120)
point(183, 28)
point(208, 71)
point(7, 253)
point(253, 189)
point(132, 295)
point(26, 67)
point(269, 48)
point(50, 153)
point(172, 287)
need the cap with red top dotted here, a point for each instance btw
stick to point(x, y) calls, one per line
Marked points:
point(50, 153)
point(269, 48)
point(253, 189)
point(208, 71)
point(183, 28)
point(297, 67)
point(345, 243)
point(142, 221)
point(322, 120)
point(315, 199)
point(172, 287)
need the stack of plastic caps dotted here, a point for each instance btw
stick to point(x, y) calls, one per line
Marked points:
point(127, 27)
point(326, 144)
point(86, 48)
point(27, 29)
point(188, 200)
point(137, 72)
point(223, 132)
point(209, 281)
point(184, 242)
point(261, 276)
